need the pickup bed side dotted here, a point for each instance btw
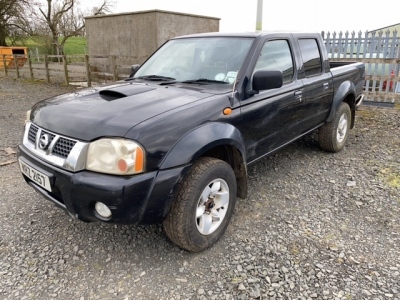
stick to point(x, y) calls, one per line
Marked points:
point(348, 84)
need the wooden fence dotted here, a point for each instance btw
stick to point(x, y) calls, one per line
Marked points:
point(71, 69)
point(380, 51)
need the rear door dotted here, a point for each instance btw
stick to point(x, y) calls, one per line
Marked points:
point(317, 82)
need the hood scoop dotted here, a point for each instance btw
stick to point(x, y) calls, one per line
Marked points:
point(191, 88)
point(123, 91)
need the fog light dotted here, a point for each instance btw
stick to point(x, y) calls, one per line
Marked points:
point(102, 210)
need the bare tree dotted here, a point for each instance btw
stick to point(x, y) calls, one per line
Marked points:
point(12, 14)
point(64, 18)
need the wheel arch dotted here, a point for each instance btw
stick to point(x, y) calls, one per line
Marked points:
point(234, 158)
point(218, 140)
point(345, 93)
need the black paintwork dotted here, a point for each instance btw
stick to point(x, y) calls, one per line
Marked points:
point(177, 122)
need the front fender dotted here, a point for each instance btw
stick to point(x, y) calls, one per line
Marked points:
point(345, 89)
point(201, 139)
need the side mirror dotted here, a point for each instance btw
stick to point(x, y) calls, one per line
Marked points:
point(134, 68)
point(266, 80)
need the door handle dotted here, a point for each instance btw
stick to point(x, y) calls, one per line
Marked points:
point(298, 95)
point(325, 85)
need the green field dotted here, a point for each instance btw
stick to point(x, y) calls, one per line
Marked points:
point(73, 45)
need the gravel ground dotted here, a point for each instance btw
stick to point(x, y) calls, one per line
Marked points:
point(315, 226)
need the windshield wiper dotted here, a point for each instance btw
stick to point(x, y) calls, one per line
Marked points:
point(151, 78)
point(204, 80)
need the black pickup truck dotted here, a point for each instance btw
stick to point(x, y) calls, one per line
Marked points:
point(171, 144)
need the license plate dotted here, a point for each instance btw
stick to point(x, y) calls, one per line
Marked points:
point(36, 176)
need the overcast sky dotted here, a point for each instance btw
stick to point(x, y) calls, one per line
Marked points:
point(298, 15)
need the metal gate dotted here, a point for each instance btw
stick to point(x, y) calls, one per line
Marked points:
point(380, 51)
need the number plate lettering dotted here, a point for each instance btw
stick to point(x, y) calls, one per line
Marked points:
point(36, 176)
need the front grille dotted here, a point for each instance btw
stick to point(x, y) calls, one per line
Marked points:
point(63, 147)
point(32, 133)
point(56, 149)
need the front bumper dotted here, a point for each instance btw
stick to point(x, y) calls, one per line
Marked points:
point(138, 199)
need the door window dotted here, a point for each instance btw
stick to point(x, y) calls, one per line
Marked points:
point(276, 55)
point(311, 57)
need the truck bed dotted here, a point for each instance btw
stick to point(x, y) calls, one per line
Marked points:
point(345, 71)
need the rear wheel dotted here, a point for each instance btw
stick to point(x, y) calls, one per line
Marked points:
point(203, 206)
point(333, 135)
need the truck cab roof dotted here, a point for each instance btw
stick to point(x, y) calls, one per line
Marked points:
point(250, 34)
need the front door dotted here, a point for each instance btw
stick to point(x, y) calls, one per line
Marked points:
point(270, 118)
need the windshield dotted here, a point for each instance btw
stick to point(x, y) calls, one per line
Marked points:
point(211, 59)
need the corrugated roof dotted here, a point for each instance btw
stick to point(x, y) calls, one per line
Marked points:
point(383, 28)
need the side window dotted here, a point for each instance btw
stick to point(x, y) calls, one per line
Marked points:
point(276, 55)
point(311, 57)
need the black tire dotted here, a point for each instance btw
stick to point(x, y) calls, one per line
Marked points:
point(332, 136)
point(182, 225)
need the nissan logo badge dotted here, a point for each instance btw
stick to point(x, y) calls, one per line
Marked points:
point(44, 141)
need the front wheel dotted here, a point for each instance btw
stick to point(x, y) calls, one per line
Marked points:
point(203, 206)
point(333, 135)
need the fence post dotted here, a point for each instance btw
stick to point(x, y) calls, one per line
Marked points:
point(352, 43)
point(340, 44)
point(89, 81)
point(114, 68)
point(30, 66)
point(5, 65)
point(334, 42)
point(65, 69)
point(359, 42)
point(16, 65)
point(346, 43)
point(46, 66)
point(328, 44)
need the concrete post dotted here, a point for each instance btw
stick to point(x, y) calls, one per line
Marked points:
point(259, 14)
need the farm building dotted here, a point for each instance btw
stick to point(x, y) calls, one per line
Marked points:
point(391, 28)
point(132, 37)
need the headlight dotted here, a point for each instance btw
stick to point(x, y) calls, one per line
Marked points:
point(27, 116)
point(115, 156)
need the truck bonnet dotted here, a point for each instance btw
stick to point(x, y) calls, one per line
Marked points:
point(109, 111)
